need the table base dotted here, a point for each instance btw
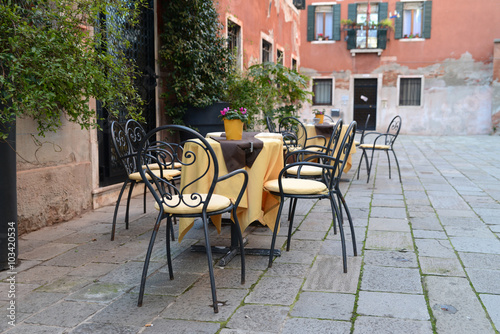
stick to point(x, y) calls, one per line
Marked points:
point(234, 249)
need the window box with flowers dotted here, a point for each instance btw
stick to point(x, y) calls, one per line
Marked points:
point(233, 122)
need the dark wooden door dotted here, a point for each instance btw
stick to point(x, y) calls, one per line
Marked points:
point(365, 102)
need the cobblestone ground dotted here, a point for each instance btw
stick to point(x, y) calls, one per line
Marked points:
point(428, 261)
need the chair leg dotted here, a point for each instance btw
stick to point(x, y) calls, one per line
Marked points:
point(290, 226)
point(363, 155)
point(397, 164)
point(132, 184)
point(275, 232)
point(351, 225)
point(335, 213)
point(116, 209)
point(210, 265)
point(144, 199)
point(389, 161)
point(172, 231)
point(169, 255)
point(369, 167)
point(146, 260)
point(242, 248)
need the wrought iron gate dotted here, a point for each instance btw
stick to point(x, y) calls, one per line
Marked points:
point(141, 50)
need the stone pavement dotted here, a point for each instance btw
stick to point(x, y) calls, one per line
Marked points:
point(429, 261)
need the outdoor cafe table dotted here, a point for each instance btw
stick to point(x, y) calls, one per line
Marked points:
point(256, 204)
point(326, 129)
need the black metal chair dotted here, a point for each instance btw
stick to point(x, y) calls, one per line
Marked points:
point(328, 118)
point(127, 156)
point(361, 132)
point(381, 142)
point(295, 135)
point(173, 200)
point(298, 187)
point(271, 126)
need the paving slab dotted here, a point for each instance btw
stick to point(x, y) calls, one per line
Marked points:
point(324, 305)
point(386, 240)
point(455, 306)
point(441, 266)
point(389, 224)
point(327, 275)
point(479, 260)
point(256, 318)
point(65, 314)
point(435, 248)
point(392, 305)
point(391, 279)
point(485, 280)
point(476, 245)
point(96, 328)
point(380, 325)
point(271, 290)
point(401, 259)
point(163, 326)
point(301, 326)
point(492, 304)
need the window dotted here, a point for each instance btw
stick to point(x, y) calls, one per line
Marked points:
point(234, 40)
point(280, 57)
point(368, 35)
point(413, 19)
point(266, 51)
point(294, 64)
point(323, 22)
point(322, 89)
point(366, 38)
point(410, 91)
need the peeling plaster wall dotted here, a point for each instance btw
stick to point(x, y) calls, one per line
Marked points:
point(54, 175)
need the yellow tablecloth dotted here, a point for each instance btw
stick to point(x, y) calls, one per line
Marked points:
point(256, 203)
point(311, 132)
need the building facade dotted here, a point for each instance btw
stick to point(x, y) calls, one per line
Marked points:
point(430, 67)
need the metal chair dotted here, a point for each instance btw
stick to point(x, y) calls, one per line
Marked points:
point(173, 200)
point(382, 142)
point(271, 126)
point(295, 135)
point(328, 118)
point(361, 132)
point(127, 157)
point(299, 187)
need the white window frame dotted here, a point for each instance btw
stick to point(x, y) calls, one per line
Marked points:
point(270, 40)
point(333, 91)
point(282, 50)
point(230, 17)
point(330, 41)
point(421, 77)
point(406, 40)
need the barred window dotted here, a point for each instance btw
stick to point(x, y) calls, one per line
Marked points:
point(322, 89)
point(410, 90)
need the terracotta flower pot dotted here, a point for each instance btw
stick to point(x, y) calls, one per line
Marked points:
point(233, 129)
point(321, 118)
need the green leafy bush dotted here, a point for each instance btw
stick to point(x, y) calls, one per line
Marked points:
point(52, 61)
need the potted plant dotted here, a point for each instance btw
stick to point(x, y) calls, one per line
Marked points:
point(320, 114)
point(233, 122)
point(386, 24)
point(320, 37)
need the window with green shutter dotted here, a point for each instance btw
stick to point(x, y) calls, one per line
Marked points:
point(413, 19)
point(367, 34)
point(323, 22)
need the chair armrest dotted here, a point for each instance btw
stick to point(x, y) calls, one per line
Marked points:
point(318, 137)
point(244, 185)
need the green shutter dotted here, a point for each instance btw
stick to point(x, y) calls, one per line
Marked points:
point(381, 38)
point(352, 11)
point(382, 34)
point(310, 23)
point(398, 27)
point(382, 10)
point(336, 22)
point(426, 30)
point(351, 39)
